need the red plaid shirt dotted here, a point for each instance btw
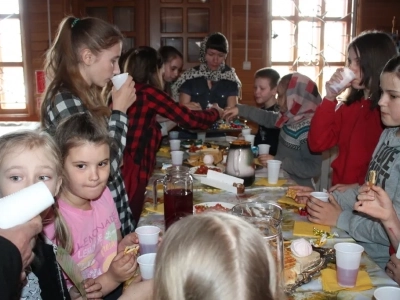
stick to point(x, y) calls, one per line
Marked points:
point(144, 134)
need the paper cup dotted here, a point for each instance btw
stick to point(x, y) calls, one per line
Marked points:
point(263, 149)
point(175, 145)
point(246, 131)
point(173, 135)
point(348, 257)
point(250, 138)
point(201, 136)
point(348, 76)
point(24, 205)
point(146, 264)
point(177, 158)
point(148, 238)
point(273, 170)
point(387, 292)
point(119, 80)
point(321, 196)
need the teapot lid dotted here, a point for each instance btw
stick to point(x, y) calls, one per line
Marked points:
point(240, 144)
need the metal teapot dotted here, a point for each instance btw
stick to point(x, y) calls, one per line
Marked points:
point(240, 161)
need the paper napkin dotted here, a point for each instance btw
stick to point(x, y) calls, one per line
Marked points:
point(306, 229)
point(290, 201)
point(159, 209)
point(264, 182)
point(330, 284)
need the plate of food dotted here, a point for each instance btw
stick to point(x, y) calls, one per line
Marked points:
point(212, 206)
point(201, 171)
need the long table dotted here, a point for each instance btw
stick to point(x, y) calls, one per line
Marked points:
point(312, 290)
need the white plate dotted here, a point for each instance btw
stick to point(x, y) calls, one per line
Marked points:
point(192, 153)
point(224, 204)
point(199, 176)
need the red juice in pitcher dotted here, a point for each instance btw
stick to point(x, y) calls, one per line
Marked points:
point(178, 203)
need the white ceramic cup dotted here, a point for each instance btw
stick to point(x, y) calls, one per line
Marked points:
point(387, 292)
point(146, 264)
point(148, 238)
point(177, 158)
point(250, 138)
point(263, 149)
point(173, 135)
point(119, 80)
point(321, 196)
point(175, 145)
point(246, 131)
point(201, 136)
point(274, 167)
point(348, 257)
point(348, 76)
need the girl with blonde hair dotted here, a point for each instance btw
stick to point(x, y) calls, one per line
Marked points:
point(214, 256)
point(82, 60)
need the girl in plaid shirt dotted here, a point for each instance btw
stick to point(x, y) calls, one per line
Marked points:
point(82, 60)
point(144, 134)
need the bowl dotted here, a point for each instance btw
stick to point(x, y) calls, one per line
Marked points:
point(193, 170)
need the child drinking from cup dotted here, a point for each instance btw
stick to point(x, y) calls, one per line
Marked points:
point(27, 157)
point(92, 230)
point(355, 126)
point(82, 60)
point(369, 232)
point(298, 98)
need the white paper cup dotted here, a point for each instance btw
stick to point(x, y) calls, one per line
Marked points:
point(348, 76)
point(119, 80)
point(321, 196)
point(173, 135)
point(348, 257)
point(273, 170)
point(146, 264)
point(175, 145)
point(201, 136)
point(148, 238)
point(263, 149)
point(387, 292)
point(177, 157)
point(246, 131)
point(250, 138)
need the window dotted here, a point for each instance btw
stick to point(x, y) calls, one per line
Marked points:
point(310, 37)
point(13, 97)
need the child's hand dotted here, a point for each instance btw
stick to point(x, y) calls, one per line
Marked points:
point(263, 158)
point(302, 193)
point(230, 113)
point(122, 267)
point(375, 202)
point(393, 268)
point(128, 240)
point(92, 288)
point(124, 97)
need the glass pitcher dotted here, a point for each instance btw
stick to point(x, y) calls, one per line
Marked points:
point(178, 194)
point(267, 217)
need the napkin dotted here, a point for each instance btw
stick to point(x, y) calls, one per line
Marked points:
point(306, 229)
point(159, 209)
point(290, 201)
point(164, 152)
point(330, 284)
point(264, 182)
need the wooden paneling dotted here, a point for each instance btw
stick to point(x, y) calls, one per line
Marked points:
point(378, 14)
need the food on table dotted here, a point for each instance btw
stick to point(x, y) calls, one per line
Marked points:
point(301, 248)
point(203, 208)
point(202, 170)
point(208, 159)
point(194, 148)
point(221, 125)
point(135, 250)
point(372, 178)
point(289, 263)
point(291, 193)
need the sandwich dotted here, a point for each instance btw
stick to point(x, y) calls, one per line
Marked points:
point(135, 250)
point(291, 193)
point(371, 178)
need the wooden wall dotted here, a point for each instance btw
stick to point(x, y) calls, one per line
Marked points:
point(371, 14)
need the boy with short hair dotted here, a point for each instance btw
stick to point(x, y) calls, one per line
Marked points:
point(265, 89)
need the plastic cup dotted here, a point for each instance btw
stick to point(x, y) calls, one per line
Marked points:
point(177, 158)
point(348, 76)
point(173, 135)
point(146, 265)
point(148, 238)
point(246, 131)
point(119, 80)
point(348, 257)
point(321, 196)
point(250, 138)
point(201, 136)
point(263, 149)
point(387, 292)
point(175, 145)
point(273, 170)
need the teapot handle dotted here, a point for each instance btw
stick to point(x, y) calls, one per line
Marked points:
point(236, 162)
point(155, 183)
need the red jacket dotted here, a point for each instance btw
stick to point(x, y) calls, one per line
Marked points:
point(355, 129)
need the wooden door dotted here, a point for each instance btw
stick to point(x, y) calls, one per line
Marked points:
point(183, 24)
